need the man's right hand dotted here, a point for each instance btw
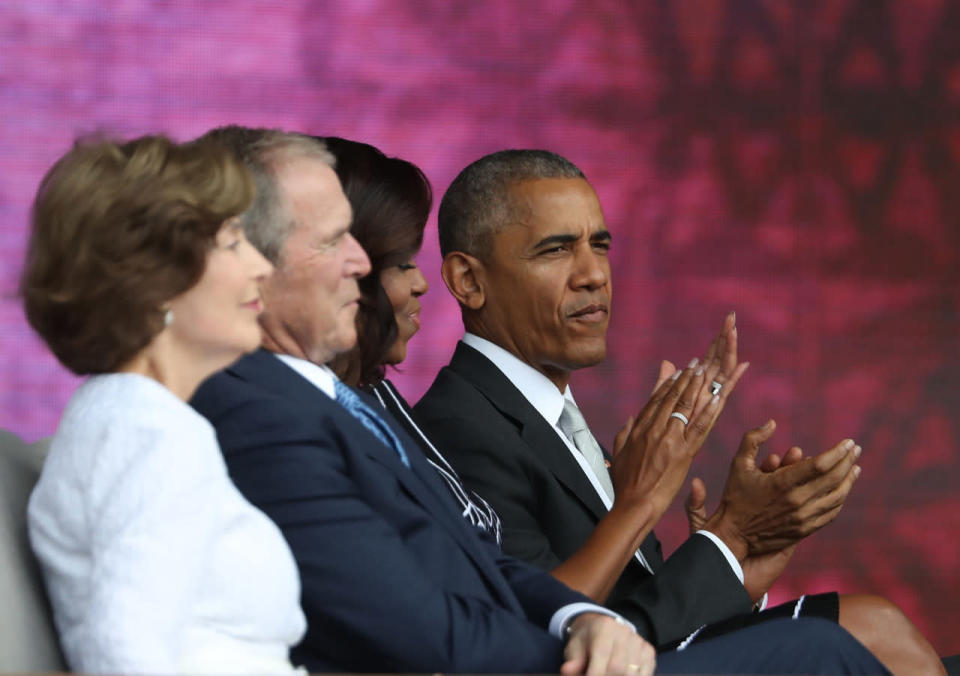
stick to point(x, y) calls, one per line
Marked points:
point(599, 645)
point(764, 512)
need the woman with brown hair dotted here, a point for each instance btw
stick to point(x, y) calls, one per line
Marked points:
point(139, 275)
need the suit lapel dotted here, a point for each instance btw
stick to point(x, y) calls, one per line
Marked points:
point(536, 432)
point(270, 373)
point(424, 486)
point(420, 480)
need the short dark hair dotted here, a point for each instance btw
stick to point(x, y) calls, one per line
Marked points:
point(391, 200)
point(478, 204)
point(118, 230)
point(268, 221)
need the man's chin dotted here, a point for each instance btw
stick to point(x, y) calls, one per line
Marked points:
point(589, 354)
point(575, 360)
point(586, 361)
point(345, 341)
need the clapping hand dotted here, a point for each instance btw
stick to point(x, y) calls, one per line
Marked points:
point(761, 570)
point(767, 509)
point(653, 452)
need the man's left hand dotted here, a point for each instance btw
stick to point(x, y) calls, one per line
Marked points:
point(762, 570)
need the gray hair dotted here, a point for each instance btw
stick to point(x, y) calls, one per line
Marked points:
point(268, 222)
point(478, 204)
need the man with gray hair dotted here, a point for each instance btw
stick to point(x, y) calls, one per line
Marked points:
point(525, 249)
point(393, 578)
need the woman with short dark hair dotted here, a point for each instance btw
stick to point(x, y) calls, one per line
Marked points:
point(138, 274)
point(391, 201)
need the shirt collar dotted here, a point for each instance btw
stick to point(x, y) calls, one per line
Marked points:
point(321, 376)
point(542, 394)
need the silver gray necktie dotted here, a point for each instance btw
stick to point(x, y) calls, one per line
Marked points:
point(575, 428)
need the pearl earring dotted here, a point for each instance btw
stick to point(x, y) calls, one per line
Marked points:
point(168, 317)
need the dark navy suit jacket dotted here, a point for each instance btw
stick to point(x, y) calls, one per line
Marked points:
point(506, 452)
point(393, 578)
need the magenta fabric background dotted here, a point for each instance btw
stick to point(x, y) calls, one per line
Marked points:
point(797, 161)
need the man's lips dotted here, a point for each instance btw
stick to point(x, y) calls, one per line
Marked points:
point(591, 313)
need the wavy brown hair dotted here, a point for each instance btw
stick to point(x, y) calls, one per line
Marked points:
point(118, 230)
point(391, 201)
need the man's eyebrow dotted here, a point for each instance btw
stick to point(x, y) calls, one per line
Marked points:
point(554, 240)
point(334, 236)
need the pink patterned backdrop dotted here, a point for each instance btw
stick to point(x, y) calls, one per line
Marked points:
point(797, 161)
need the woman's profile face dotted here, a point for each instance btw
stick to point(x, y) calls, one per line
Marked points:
point(217, 317)
point(404, 284)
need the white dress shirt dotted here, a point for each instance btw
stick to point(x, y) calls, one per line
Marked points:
point(323, 378)
point(153, 560)
point(544, 396)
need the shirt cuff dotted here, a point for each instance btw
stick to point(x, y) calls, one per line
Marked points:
point(566, 614)
point(731, 559)
point(761, 604)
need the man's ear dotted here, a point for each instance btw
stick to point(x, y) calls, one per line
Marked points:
point(464, 274)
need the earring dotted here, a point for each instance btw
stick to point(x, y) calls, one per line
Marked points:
point(168, 317)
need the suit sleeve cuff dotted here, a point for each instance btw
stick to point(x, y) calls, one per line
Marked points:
point(566, 614)
point(727, 554)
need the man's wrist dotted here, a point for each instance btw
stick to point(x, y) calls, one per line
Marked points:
point(732, 560)
point(561, 624)
point(721, 528)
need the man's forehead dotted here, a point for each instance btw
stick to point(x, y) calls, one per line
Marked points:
point(305, 176)
point(320, 212)
point(563, 203)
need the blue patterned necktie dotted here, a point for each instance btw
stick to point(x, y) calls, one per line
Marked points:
point(369, 419)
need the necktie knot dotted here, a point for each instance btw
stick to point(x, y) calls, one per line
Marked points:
point(571, 420)
point(369, 419)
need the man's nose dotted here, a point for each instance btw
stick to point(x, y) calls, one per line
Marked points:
point(357, 262)
point(592, 270)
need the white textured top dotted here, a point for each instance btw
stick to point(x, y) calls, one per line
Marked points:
point(153, 561)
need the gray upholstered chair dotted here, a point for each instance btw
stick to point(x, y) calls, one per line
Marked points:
point(28, 640)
